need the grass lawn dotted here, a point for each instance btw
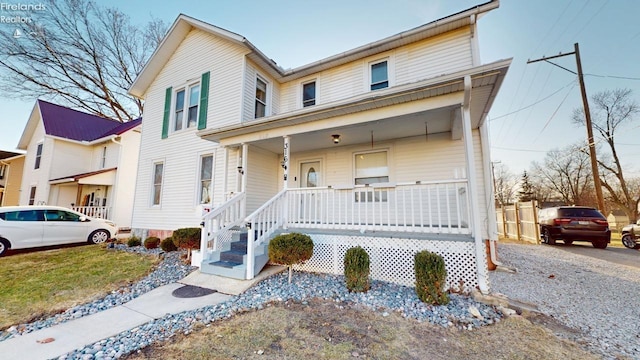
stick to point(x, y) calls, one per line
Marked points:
point(43, 283)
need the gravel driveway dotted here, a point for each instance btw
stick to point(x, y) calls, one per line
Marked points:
point(599, 298)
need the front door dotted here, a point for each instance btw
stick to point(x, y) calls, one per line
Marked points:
point(310, 177)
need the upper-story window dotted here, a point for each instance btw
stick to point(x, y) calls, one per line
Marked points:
point(103, 160)
point(309, 94)
point(379, 75)
point(261, 98)
point(38, 156)
point(186, 107)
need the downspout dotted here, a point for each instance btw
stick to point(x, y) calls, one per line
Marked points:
point(481, 269)
point(492, 225)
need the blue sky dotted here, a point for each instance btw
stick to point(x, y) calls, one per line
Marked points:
point(294, 33)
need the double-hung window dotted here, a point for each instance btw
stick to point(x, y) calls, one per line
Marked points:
point(261, 98)
point(186, 107)
point(379, 75)
point(206, 177)
point(38, 156)
point(309, 94)
point(158, 172)
point(371, 168)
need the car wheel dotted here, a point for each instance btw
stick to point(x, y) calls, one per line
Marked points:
point(600, 244)
point(4, 246)
point(99, 236)
point(547, 238)
point(628, 242)
point(568, 242)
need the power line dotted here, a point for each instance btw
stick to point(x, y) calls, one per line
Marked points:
point(535, 103)
point(554, 113)
point(614, 77)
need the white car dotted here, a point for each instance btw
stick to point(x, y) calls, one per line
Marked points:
point(32, 226)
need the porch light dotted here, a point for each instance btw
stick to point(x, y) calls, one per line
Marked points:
point(336, 138)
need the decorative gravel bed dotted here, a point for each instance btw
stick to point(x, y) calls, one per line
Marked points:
point(596, 297)
point(170, 270)
point(383, 297)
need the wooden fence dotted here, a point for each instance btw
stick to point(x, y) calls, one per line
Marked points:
point(519, 221)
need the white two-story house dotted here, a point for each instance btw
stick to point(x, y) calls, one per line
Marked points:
point(384, 146)
point(80, 161)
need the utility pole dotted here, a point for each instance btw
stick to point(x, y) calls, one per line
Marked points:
point(587, 115)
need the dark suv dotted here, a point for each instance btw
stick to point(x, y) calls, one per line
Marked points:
point(574, 223)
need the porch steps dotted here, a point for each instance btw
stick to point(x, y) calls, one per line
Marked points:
point(231, 261)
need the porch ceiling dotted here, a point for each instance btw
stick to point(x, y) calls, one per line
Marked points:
point(422, 108)
point(422, 123)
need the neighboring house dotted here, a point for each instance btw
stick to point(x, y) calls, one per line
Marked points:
point(80, 161)
point(384, 146)
point(617, 219)
point(10, 175)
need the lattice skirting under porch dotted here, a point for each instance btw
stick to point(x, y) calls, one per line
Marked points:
point(392, 259)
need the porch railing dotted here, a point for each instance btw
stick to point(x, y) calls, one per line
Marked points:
point(262, 223)
point(220, 220)
point(433, 207)
point(100, 212)
point(427, 207)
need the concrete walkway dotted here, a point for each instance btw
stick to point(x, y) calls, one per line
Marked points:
point(75, 334)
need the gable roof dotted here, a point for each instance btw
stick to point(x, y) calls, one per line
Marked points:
point(66, 123)
point(184, 24)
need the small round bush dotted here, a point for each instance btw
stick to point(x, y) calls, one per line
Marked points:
point(290, 249)
point(168, 245)
point(134, 241)
point(430, 278)
point(151, 242)
point(356, 269)
point(187, 238)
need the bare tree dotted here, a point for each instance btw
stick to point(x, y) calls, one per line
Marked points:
point(80, 52)
point(567, 172)
point(612, 109)
point(505, 184)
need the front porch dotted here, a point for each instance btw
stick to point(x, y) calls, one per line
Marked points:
point(394, 223)
point(399, 171)
point(87, 193)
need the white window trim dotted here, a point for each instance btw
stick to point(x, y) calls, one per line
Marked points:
point(300, 94)
point(267, 105)
point(153, 184)
point(185, 110)
point(356, 153)
point(390, 72)
point(198, 180)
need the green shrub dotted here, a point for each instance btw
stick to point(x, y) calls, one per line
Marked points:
point(168, 245)
point(187, 238)
point(151, 242)
point(430, 278)
point(290, 249)
point(356, 269)
point(133, 241)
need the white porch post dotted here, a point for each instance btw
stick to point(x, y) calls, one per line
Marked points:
point(243, 174)
point(285, 160)
point(467, 136)
point(492, 231)
point(225, 173)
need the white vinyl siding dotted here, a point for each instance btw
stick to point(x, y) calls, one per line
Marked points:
point(262, 177)
point(224, 61)
point(444, 54)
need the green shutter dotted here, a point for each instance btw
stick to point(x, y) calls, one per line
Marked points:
point(167, 112)
point(204, 101)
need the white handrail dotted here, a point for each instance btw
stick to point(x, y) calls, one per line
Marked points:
point(221, 219)
point(262, 223)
